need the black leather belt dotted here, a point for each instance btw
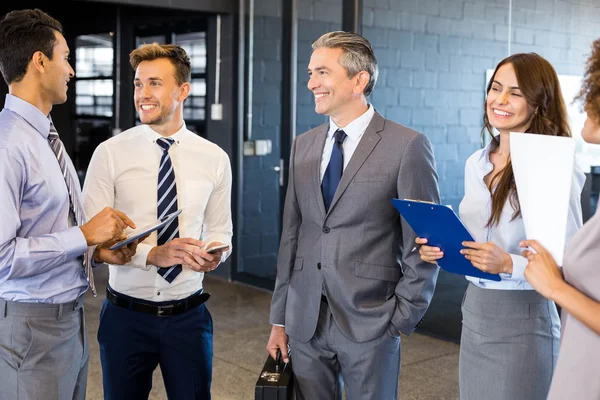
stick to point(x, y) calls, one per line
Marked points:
point(168, 309)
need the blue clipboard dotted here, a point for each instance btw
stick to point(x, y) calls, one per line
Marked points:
point(442, 228)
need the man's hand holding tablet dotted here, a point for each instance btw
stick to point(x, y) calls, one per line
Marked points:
point(146, 231)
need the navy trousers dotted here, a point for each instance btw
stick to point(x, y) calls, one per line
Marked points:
point(132, 344)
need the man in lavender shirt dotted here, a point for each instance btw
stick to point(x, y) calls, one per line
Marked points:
point(43, 346)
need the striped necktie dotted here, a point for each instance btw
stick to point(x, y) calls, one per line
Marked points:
point(76, 211)
point(167, 204)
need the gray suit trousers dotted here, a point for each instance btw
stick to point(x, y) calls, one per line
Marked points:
point(43, 351)
point(330, 361)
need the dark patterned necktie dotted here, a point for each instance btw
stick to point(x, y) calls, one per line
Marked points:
point(76, 211)
point(167, 204)
point(335, 168)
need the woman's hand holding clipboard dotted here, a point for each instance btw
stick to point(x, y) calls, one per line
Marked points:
point(442, 228)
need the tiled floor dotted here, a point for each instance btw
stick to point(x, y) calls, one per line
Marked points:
point(240, 313)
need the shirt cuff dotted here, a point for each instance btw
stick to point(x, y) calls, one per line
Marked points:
point(74, 242)
point(519, 264)
point(140, 257)
point(283, 326)
point(95, 264)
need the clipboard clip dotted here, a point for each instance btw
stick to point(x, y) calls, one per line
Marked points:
point(421, 201)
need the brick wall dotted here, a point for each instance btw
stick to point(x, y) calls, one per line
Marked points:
point(432, 56)
point(261, 210)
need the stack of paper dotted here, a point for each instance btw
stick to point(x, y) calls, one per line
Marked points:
point(543, 167)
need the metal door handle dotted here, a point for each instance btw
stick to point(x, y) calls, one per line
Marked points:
point(279, 169)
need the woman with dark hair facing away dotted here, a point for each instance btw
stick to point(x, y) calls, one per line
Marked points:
point(576, 289)
point(510, 333)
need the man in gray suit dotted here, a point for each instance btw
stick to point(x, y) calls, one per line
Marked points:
point(348, 278)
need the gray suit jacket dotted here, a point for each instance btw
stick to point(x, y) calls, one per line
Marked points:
point(359, 252)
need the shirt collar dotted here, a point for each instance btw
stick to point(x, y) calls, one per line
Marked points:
point(356, 128)
point(484, 153)
point(179, 136)
point(29, 113)
point(484, 157)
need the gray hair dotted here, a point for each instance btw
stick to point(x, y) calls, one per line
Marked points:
point(357, 54)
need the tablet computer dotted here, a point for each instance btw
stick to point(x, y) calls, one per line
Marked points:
point(442, 228)
point(141, 232)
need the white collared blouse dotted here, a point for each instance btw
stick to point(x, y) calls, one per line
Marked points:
point(475, 210)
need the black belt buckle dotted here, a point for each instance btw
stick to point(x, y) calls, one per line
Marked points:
point(165, 311)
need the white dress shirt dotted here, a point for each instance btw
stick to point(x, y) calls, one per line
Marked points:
point(123, 174)
point(354, 130)
point(475, 210)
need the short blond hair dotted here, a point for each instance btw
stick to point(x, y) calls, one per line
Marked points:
point(357, 54)
point(175, 53)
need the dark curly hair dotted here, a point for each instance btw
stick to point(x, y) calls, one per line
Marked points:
point(590, 90)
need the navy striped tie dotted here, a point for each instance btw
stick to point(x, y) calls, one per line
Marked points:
point(167, 204)
point(76, 211)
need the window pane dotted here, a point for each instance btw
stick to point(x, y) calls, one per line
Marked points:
point(84, 100)
point(195, 45)
point(198, 87)
point(198, 114)
point(94, 97)
point(195, 106)
point(140, 40)
point(94, 55)
point(198, 101)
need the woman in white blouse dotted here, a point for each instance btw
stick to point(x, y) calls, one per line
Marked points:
point(510, 333)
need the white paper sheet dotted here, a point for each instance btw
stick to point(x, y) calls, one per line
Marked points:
point(543, 167)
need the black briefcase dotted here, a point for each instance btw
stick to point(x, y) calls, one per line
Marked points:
point(276, 380)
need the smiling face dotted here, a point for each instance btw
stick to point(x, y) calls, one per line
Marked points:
point(335, 93)
point(158, 97)
point(57, 72)
point(506, 107)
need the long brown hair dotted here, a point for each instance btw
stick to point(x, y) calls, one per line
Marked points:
point(539, 85)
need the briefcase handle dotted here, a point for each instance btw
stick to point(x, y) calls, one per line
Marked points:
point(278, 360)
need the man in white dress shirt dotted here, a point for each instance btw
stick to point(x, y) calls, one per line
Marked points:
point(155, 313)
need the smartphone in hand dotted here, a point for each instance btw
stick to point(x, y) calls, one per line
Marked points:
point(214, 249)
